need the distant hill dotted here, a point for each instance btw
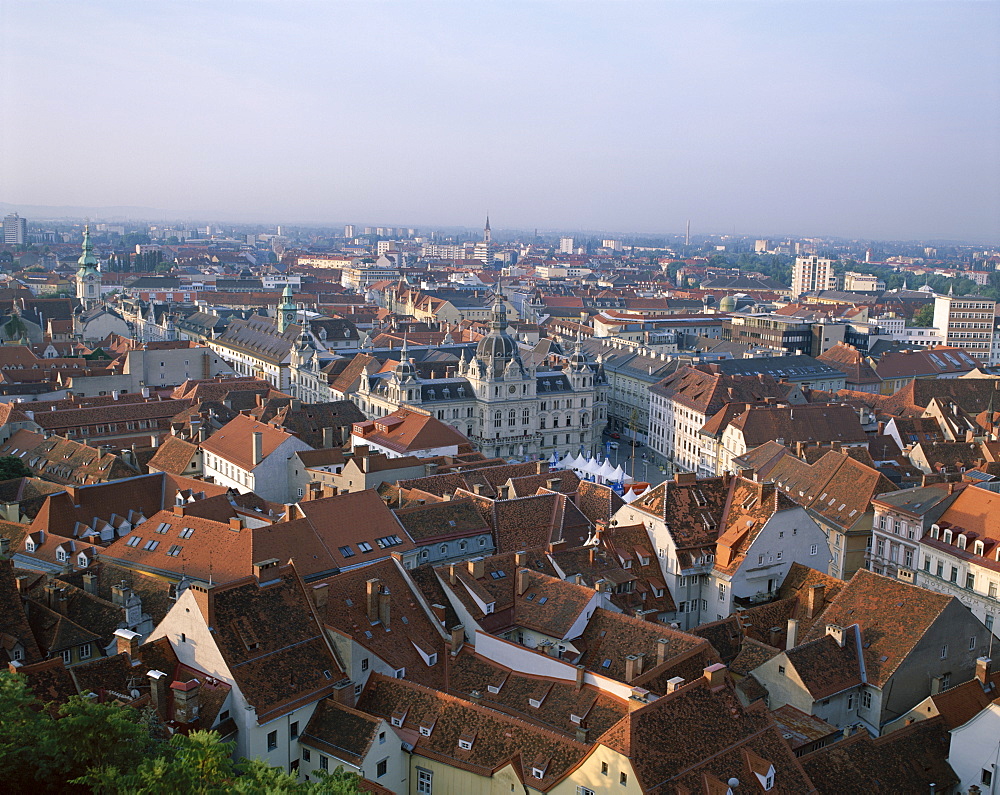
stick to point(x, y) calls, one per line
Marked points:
point(35, 212)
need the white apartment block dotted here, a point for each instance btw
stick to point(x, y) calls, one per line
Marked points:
point(967, 322)
point(812, 274)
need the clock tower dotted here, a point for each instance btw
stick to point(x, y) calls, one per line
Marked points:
point(88, 277)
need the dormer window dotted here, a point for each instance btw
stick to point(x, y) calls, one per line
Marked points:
point(61, 555)
point(29, 546)
point(978, 547)
point(962, 541)
point(935, 531)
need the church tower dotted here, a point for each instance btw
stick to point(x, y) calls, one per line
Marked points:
point(88, 277)
point(286, 310)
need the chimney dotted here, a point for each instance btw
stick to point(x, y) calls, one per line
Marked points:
point(662, 646)
point(258, 447)
point(327, 438)
point(674, 683)
point(983, 670)
point(373, 587)
point(457, 637)
point(838, 634)
point(792, 636)
point(343, 692)
point(633, 666)
point(814, 600)
point(179, 510)
point(439, 613)
point(90, 583)
point(158, 692)
point(128, 643)
point(774, 637)
point(186, 700)
point(504, 492)
point(477, 568)
point(383, 608)
point(715, 675)
point(521, 559)
point(320, 593)
point(4, 547)
point(235, 523)
point(522, 581)
point(266, 570)
point(580, 673)
point(202, 593)
point(477, 488)
point(453, 574)
point(638, 699)
point(581, 733)
point(552, 484)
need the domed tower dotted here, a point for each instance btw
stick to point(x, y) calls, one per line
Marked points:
point(88, 277)
point(286, 310)
point(498, 349)
point(727, 304)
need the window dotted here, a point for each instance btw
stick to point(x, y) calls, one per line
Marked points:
point(781, 670)
point(381, 767)
point(272, 740)
point(425, 780)
point(85, 651)
point(346, 551)
point(584, 791)
point(970, 581)
point(324, 763)
point(150, 545)
point(67, 656)
point(944, 652)
point(364, 664)
point(850, 701)
point(364, 546)
point(954, 574)
point(305, 755)
point(381, 738)
point(972, 643)
point(987, 777)
point(722, 591)
point(174, 551)
point(604, 768)
point(623, 779)
point(866, 699)
point(132, 542)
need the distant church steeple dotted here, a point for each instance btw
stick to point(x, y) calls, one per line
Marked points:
point(487, 232)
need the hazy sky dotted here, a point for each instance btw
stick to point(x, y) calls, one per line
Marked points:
point(875, 119)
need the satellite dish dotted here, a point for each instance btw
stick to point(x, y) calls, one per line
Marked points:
point(133, 693)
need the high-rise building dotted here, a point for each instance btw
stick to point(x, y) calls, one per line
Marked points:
point(349, 231)
point(565, 245)
point(812, 274)
point(966, 322)
point(15, 230)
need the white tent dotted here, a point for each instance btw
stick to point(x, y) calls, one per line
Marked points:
point(607, 472)
point(592, 467)
point(618, 476)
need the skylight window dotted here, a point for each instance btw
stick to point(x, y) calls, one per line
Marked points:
point(347, 552)
point(187, 532)
point(151, 545)
point(364, 546)
point(133, 541)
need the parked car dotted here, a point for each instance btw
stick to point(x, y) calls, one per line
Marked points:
point(616, 436)
point(613, 445)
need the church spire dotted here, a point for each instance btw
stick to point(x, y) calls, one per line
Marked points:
point(487, 232)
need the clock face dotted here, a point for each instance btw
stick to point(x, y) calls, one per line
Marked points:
point(512, 389)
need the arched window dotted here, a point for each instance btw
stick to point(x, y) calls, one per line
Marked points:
point(525, 417)
point(512, 418)
point(497, 420)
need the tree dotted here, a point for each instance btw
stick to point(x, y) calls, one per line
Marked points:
point(13, 467)
point(86, 746)
point(923, 317)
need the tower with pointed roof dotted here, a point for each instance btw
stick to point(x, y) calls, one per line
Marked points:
point(286, 310)
point(88, 277)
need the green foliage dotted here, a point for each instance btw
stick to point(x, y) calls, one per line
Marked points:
point(85, 746)
point(13, 467)
point(923, 317)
